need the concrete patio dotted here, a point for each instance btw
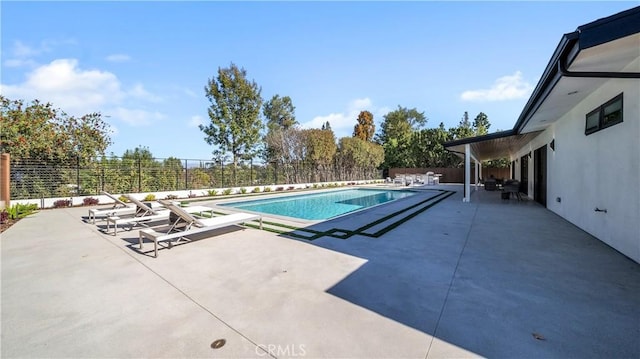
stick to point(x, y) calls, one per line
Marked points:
point(490, 278)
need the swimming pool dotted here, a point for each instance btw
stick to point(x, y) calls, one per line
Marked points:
point(319, 206)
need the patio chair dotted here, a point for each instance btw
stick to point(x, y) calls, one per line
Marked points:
point(436, 178)
point(511, 187)
point(118, 207)
point(429, 178)
point(187, 224)
point(399, 179)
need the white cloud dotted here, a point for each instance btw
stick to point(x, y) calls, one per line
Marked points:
point(22, 54)
point(118, 58)
point(360, 104)
point(504, 88)
point(22, 50)
point(138, 91)
point(19, 63)
point(78, 91)
point(196, 121)
point(342, 123)
point(338, 121)
point(189, 92)
point(136, 117)
point(66, 86)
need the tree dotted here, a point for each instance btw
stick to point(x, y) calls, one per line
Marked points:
point(39, 131)
point(428, 149)
point(138, 166)
point(172, 176)
point(279, 113)
point(464, 129)
point(481, 124)
point(235, 114)
point(365, 128)
point(281, 121)
point(359, 158)
point(320, 151)
point(395, 136)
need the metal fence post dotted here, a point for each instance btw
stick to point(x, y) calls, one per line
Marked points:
point(139, 175)
point(186, 175)
point(77, 175)
point(5, 178)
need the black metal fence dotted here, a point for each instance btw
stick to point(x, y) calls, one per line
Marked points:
point(32, 178)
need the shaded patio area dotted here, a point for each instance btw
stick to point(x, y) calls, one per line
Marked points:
point(490, 278)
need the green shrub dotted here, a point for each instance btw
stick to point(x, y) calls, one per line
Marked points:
point(256, 190)
point(267, 189)
point(315, 185)
point(212, 192)
point(243, 190)
point(20, 210)
point(150, 197)
point(227, 191)
point(123, 199)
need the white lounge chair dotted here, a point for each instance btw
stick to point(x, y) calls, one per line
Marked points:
point(142, 215)
point(187, 224)
point(118, 207)
point(146, 214)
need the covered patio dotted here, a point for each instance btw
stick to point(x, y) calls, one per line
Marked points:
point(475, 150)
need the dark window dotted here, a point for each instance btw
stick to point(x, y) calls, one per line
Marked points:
point(604, 116)
point(593, 122)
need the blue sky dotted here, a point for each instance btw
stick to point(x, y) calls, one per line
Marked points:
point(144, 65)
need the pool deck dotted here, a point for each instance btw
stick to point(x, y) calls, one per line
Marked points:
point(490, 278)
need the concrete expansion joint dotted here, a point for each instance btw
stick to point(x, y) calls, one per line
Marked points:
point(453, 278)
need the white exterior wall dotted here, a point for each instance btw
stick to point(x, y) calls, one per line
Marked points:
point(599, 170)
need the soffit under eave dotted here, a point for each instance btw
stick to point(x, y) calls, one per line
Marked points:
point(620, 55)
point(496, 148)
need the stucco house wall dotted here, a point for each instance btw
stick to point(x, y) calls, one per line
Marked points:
point(601, 170)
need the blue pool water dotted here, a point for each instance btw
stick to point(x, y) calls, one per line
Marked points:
point(320, 206)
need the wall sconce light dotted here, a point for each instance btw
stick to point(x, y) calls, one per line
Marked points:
point(553, 144)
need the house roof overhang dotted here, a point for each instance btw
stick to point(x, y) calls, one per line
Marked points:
point(604, 50)
point(502, 144)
